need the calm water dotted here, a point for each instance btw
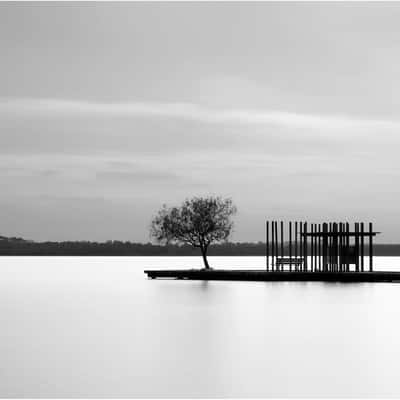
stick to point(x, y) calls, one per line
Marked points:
point(96, 327)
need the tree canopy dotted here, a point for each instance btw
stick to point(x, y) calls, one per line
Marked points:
point(199, 222)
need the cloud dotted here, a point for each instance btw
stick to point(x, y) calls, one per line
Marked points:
point(49, 108)
point(137, 176)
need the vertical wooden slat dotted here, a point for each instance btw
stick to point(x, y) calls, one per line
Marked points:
point(330, 246)
point(290, 245)
point(272, 245)
point(315, 247)
point(319, 247)
point(301, 245)
point(295, 245)
point(347, 245)
point(362, 246)
point(324, 246)
point(371, 267)
point(356, 242)
point(341, 247)
point(276, 245)
point(333, 248)
point(305, 246)
point(337, 246)
point(282, 241)
point(267, 244)
point(311, 247)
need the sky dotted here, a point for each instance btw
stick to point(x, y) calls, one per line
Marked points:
point(110, 110)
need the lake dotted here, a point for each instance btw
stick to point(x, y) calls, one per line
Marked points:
point(97, 327)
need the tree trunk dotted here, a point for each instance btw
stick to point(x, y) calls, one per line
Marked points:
point(204, 254)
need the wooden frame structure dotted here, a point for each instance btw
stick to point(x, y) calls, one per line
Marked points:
point(326, 247)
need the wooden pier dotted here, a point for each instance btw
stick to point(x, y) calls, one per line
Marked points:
point(263, 275)
point(327, 252)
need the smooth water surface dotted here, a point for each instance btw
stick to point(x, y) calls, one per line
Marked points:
point(97, 327)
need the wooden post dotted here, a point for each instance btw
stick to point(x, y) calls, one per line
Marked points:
point(337, 246)
point(347, 246)
point(295, 245)
point(311, 247)
point(370, 248)
point(333, 248)
point(315, 247)
point(276, 245)
point(272, 245)
point(330, 247)
point(356, 243)
point(301, 245)
point(282, 240)
point(341, 247)
point(324, 246)
point(305, 246)
point(319, 247)
point(267, 244)
point(290, 245)
point(362, 247)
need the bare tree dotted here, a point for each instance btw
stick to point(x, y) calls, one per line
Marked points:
point(198, 221)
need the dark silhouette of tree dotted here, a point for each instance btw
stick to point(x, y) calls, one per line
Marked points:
point(198, 221)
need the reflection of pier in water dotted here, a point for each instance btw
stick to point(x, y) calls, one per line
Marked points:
point(326, 247)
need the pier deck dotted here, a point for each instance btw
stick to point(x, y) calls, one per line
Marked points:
point(262, 275)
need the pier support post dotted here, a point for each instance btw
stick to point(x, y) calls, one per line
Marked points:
point(276, 245)
point(290, 246)
point(295, 245)
point(347, 246)
point(362, 247)
point(356, 244)
point(282, 249)
point(324, 246)
point(370, 248)
point(301, 247)
point(267, 244)
point(319, 247)
point(272, 245)
point(305, 246)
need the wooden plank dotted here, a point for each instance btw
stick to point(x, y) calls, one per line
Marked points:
point(262, 275)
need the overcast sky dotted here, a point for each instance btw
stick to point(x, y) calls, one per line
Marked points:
point(109, 110)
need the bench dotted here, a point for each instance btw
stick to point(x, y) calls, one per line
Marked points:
point(289, 261)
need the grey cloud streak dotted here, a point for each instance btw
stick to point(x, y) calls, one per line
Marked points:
point(49, 108)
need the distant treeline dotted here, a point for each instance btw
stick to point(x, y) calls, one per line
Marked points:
point(21, 247)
